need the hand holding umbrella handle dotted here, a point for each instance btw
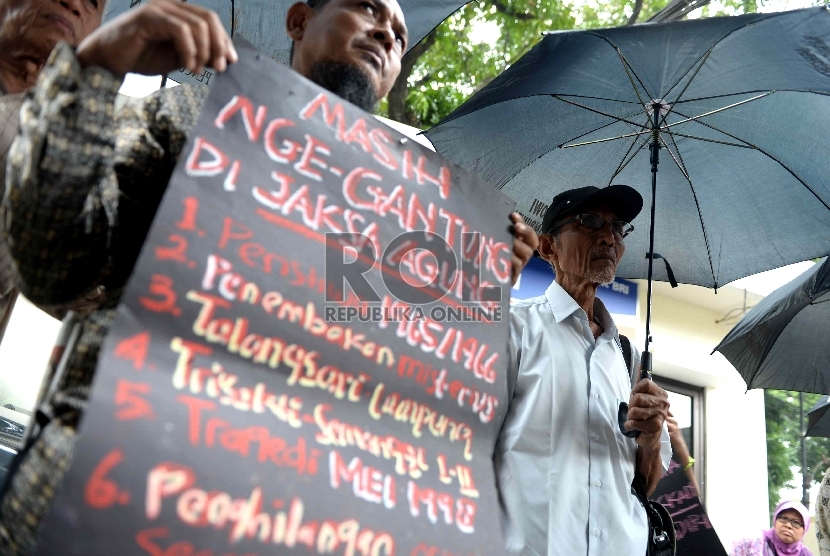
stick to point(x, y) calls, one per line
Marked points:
point(622, 413)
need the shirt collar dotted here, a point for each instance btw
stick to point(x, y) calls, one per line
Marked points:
point(562, 305)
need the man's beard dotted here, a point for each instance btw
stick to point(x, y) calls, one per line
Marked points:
point(606, 274)
point(346, 81)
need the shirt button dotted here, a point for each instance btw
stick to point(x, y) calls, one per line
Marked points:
point(598, 483)
point(597, 533)
point(594, 395)
point(596, 437)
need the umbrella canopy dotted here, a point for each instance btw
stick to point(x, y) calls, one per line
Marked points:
point(784, 341)
point(262, 22)
point(744, 119)
point(818, 419)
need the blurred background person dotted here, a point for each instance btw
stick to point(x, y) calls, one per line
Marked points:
point(680, 451)
point(789, 523)
point(823, 515)
point(29, 30)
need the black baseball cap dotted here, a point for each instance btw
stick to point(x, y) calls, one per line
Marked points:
point(622, 199)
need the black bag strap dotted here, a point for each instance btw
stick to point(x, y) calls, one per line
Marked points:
point(625, 345)
point(662, 539)
point(628, 355)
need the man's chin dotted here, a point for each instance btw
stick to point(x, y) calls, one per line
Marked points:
point(604, 276)
point(350, 81)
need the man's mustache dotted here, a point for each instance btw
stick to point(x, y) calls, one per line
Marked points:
point(599, 253)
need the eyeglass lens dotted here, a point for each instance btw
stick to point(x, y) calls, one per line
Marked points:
point(793, 522)
point(592, 221)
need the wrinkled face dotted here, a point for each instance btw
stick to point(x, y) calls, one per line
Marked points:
point(787, 532)
point(584, 254)
point(38, 25)
point(369, 34)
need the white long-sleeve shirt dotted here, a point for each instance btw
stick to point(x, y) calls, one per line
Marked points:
point(563, 467)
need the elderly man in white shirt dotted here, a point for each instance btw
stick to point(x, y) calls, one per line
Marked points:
point(564, 467)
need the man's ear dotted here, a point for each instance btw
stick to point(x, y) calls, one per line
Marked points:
point(296, 20)
point(547, 248)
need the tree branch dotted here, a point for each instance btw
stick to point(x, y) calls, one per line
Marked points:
point(397, 96)
point(509, 11)
point(638, 6)
point(823, 464)
point(422, 81)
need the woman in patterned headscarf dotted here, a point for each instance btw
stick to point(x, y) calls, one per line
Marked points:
point(823, 515)
point(790, 521)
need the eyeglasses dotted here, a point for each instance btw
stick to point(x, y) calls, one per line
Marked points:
point(795, 523)
point(619, 228)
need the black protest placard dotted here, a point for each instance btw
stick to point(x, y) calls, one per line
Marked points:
point(695, 534)
point(262, 391)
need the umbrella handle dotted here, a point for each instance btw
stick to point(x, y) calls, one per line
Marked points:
point(645, 365)
point(622, 417)
point(622, 412)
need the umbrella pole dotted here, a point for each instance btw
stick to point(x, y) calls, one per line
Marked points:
point(805, 487)
point(645, 362)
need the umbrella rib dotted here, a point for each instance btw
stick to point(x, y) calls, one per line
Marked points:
point(601, 98)
point(600, 112)
point(710, 126)
point(710, 140)
point(695, 118)
point(682, 166)
point(454, 116)
point(594, 142)
point(679, 156)
point(822, 93)
point(688, 83)
point(720, 40)
point(603, 126)
point(765, 153)
point(628, 70)
point(624, 162)
point(699, 65)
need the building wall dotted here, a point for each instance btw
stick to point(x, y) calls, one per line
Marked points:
point(24, 353)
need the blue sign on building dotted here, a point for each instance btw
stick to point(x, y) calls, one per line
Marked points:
point(619, 297)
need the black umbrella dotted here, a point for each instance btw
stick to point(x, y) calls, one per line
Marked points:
point(739, 108)
point(262, 22)
point(818, 423)
point(784, 341)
